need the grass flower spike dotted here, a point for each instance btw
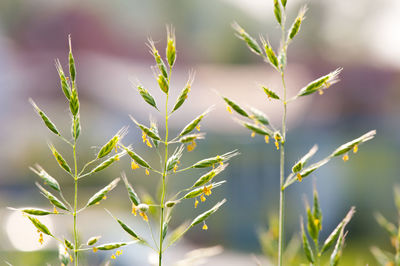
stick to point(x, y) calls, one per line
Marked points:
point(258, 123)
point(160, 212)
point(69, 250)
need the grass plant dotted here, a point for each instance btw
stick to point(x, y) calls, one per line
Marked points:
point(258, 123)
point(386, 258)
point(161, 212)
point(107, 155)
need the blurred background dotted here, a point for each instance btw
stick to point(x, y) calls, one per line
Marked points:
point(109, 47)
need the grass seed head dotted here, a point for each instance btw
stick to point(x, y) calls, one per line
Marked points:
point(111, 246)
point(108, 162)
point(294, 29)
point(131, 192)
point(47, 179)
point(53, 199)
point(272, 58)
point(278, 12)
point(171, 46)
point(321, 83)
point(66, 88)
point(50, 125)
point(101, 194)
point(112, 143)
point(184, 93)
point(160, 63)
point(202, 217)
point(71, 62)
point(93, 240)
point(250, 41)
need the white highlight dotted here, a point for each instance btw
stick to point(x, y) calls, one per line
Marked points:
point(23, 234)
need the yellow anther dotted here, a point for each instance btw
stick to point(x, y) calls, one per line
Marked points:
point(196, 203)
point(144, 216)
point(149, 144)
point(147, 172)
point(355, 148)
point(105, 197)
point(198, 127)
point(266, 138)
point(345, 157)
point(321, 91)
point(299, 177)
point(95, 250)
point(229, 109)
point(144, 137)
point(55, 210)
point(134, 165)
point(116, 157)
point(205, 227)
point(72, 259)
point(327, 84)
point(113, 257)
point(277, 145)
point(191, 146)
point(41, 240)
point(175, 168)
point(253, 134)
point(207, 190)
point(202, 198)
point(134, 208)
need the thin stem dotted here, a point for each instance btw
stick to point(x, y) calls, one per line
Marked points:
point(282, 157)
point(66, 201)
point(282, 177)
point(86, 165)
point(65, 140)
point(75, 207)
point(164, 175)
point(151, 232)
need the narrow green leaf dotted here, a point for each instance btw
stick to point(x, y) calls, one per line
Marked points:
point(306, 245)
point(335, 233)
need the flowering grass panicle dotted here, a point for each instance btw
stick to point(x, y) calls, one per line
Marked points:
point(171, 163)
point(51, 188)
point(257, 122)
